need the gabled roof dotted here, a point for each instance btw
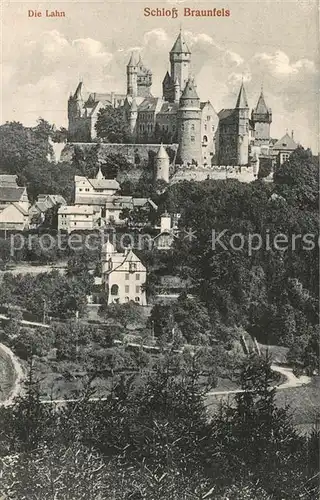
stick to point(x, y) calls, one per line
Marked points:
point(286, 143)
point(21, 209)
point(242, 101)
point(180, 46)
point(11, 194)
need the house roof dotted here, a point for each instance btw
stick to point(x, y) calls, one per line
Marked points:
point(162, 153)
point(285, 143)
point(11, 194)
point(76, 209)
point(7, 180)
point(104, 184)
point(149, 104)
point(226, 114)
point(169, 108)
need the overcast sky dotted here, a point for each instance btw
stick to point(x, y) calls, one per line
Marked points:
point(274, 43)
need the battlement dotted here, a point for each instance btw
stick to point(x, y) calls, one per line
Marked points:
point(223, 172)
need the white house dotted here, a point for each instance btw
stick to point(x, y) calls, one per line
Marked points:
point(77, 217)
point(123, 276)
point(94, 191)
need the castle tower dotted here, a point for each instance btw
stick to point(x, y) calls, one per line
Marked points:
point(133, 116)
point(189, 125)
point(75, 102)
point(242, 116)
point(162, 165)
point(144, 80)
point(132, 76)
point(180, 58)
point(262, 118)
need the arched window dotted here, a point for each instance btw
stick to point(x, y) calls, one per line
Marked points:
point(205, 138)
point(114, 290)
point(137, 299)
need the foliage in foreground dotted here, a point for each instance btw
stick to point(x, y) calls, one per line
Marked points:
point(156, 442)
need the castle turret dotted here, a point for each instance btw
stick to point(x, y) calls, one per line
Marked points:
point(132, 76)
point(162, 165)
point(262, 118)
point(242, 114)
point(189, 125)
point(180, 58)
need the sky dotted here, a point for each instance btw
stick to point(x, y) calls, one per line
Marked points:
point(270, 43)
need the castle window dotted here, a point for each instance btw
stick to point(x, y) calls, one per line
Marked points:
point(192, 138)
point(127, 276)
point(137, 299)
point(205, 138)
point(208, 118)
point(205, 127)
point(138, 289)
point(137, 276)
point(192, 126)
point(114, 290)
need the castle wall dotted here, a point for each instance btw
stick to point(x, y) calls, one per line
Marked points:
point(240, 173)
point(131, 151)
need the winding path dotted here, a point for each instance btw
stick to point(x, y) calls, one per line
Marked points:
point(291, 382)
point(16, 389)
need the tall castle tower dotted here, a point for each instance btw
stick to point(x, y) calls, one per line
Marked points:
point(189, 125)
point(242, 116)
point(262, 118)
point(139, 78)
point(180, 58)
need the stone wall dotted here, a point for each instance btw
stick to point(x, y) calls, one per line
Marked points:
point(242, 174)
point(135, 153)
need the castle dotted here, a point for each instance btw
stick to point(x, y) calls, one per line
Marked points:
point(232, 137)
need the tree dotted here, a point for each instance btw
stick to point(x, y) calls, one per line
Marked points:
point(111, 125)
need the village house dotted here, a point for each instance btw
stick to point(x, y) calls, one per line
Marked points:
point(14, 204)
point(77, 218)
point(123, 276)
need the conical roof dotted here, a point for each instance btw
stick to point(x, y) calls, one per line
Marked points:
point(180, 46)
point(99, 175)
point(108, 248)
point(167, 78)
point(261, 107)
point(133, 61)
point(190, 90)
point(162, 154)
point(242, 101)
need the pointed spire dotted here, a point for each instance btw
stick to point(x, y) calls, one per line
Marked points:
point(99, 175)
point(261, 106)
point(78, 92)
point(242, 101)
point(180, 46)
point(133, 59)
